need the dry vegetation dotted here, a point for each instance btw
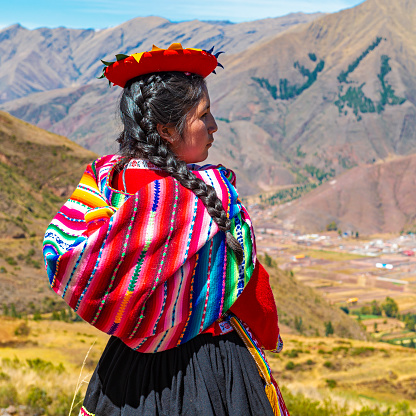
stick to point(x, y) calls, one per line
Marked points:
point(304, 311)
point(40, 364)
point(38, 171)
point(354, 371)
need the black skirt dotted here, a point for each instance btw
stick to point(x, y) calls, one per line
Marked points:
point(203, 377)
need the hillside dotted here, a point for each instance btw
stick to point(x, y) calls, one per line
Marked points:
point(313, 100)
point(38, 172)
point(328, 369)
point(303, 311)
point(370, 199)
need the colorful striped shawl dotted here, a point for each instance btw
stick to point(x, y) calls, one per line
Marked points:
point(155, 271)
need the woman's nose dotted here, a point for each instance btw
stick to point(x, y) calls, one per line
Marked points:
point(213, 125)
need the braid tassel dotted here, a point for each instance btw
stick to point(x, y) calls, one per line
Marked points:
point(272, 390)
point(272, 397)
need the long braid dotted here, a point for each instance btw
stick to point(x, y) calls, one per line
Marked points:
point(141, 139)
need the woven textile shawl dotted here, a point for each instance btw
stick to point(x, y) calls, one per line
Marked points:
point(151, 268)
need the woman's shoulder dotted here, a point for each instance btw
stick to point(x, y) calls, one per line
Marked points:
point(225, 172)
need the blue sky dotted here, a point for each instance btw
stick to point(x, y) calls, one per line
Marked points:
point(100, 14)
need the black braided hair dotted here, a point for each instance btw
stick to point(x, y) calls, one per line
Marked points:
point(166, 98)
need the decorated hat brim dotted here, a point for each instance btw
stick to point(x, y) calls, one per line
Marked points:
point(195, 61)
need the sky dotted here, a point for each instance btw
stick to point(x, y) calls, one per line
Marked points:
point(100, 14)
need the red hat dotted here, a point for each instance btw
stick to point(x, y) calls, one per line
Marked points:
point(175, 58)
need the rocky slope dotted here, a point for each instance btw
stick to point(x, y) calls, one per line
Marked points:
point(371, 199)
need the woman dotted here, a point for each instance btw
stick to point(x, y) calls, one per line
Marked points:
point(160, 253)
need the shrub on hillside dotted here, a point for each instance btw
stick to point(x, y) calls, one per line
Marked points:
point(332, 226)
point(13, 311)
point(293, 353)
point(8, 395)
point(298, 324)
point(375, 308)
point(345, 309)
point(22, 330)
point(290, 365)
point(62, 404)
point(39, 365)
point(390, 307)
point(331, 383)
point(329, 329)
point(11, 261)
point(38, 400)
point(268, 261)
point(363, 351)
point(299, 405)
point(4, 376)
point(37, 316)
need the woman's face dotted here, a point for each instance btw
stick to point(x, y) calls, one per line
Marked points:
point(198, 133)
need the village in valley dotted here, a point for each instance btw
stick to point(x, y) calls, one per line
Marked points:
point(356, 273)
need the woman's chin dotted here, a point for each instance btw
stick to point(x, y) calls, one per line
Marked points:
point(197, 159)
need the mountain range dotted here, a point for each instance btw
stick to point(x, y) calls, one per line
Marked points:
point(45, 59)
point(302, 98)
point(50, 73)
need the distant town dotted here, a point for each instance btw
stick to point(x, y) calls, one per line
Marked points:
point(342, 265)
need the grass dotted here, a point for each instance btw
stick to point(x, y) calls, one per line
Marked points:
point(365, 317)
point(43, 368)
point(324, 368)
point(340, 369)
point(330, 255)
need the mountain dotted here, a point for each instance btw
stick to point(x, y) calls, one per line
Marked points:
point(46, 59)
point(63, 96)
point(301, 105)
point(371, 199)
point(335, 94)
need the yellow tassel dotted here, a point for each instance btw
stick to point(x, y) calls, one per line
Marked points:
point(263, 371)
point(272, 396)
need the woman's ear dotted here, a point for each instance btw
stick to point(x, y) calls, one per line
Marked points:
point(167, 133)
